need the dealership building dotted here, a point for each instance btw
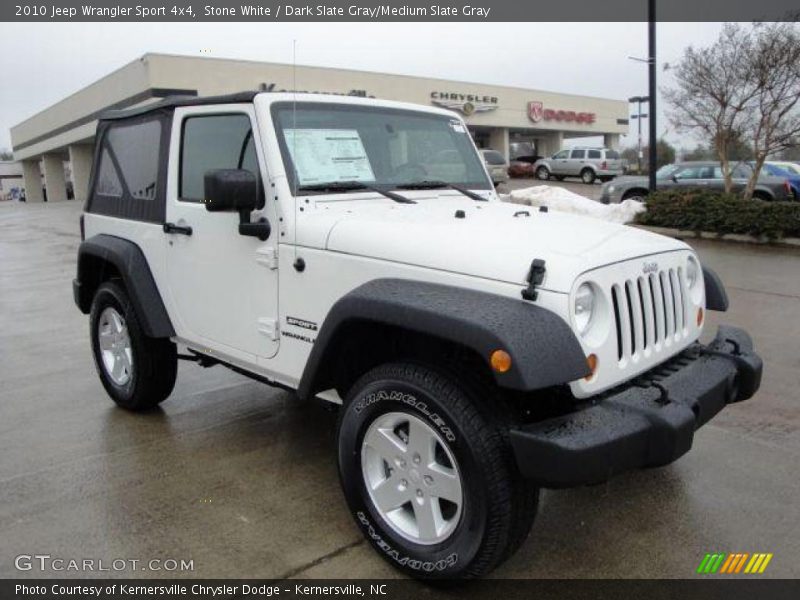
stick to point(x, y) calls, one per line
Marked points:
point(511, 120)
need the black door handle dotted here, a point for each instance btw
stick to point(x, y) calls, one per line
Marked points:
point(172, 228)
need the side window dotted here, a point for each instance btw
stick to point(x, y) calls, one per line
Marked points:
point(740, 171)
point(595, 154)
point(579, 154)
point(129, 161)
point(211, 142)
point(562, 154)
point(128, 180)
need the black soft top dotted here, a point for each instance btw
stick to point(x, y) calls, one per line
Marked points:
point(169, 103)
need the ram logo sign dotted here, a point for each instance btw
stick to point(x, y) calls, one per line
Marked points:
point(735, 563)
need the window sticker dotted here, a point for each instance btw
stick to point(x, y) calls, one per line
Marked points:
point(456, 126)
point(328, 155)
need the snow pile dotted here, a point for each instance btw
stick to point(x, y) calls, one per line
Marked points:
point(562, 200)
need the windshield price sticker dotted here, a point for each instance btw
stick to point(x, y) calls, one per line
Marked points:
point(328, 155)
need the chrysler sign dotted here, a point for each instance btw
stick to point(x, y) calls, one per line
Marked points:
point(537, 112)
point(465, 103)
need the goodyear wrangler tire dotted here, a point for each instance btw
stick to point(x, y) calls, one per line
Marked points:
point(137, 372)
point(428, 474)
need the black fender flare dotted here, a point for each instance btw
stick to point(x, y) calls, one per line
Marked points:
point(543, 348)
point(94, 256)
point(716, 296)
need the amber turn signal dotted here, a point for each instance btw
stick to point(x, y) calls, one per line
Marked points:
point(700, 316)
point(500, 361)
point(591, 362)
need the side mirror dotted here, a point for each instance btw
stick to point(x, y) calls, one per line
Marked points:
point(230, 190)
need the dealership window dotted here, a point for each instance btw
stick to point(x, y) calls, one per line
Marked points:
point(579, 154)
point(213, 142)
point(595, 154)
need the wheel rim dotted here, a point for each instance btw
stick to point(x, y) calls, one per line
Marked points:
point(543, 173)
point(412, 478)
point(587, 177)
point(115, 346)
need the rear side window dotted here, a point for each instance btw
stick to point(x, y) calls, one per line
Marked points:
point(214, 142)
point(595, 154)
point(128, 179)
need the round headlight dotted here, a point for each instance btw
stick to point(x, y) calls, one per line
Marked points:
point(584, 307)
point(692, 272)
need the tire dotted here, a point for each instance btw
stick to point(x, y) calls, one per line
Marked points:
point(542, 173)
point(138, 372)
point(761, 196)
point(461, 435)
point(638, 196)
point(588, 176)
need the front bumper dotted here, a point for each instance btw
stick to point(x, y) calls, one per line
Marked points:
point(647, 423)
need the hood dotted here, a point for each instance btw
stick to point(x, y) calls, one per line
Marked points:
point(494, 240)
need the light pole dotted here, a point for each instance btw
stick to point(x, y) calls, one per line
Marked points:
point(651, 60)
point(639, 116)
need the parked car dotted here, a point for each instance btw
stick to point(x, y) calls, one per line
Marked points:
point(792, 167)
point(696, 175)
point(475, 352)
point(496, 164)
point(523, 166)
point(587, 163)
point(785, 170)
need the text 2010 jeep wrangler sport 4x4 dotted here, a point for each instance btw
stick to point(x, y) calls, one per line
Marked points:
point(355, 249)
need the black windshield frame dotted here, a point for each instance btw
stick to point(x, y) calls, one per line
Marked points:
point(277, 108)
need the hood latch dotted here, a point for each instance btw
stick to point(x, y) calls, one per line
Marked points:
point(535, 277)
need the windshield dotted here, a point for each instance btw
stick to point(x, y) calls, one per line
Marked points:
point(329, 143)
point(666, 171)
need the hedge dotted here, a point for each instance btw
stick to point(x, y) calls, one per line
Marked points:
point(721, 213)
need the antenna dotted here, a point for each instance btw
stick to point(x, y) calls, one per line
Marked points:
point(294, 142)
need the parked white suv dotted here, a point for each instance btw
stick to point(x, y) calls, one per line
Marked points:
point(587, 163)
point(496, 164)
point(478, 350)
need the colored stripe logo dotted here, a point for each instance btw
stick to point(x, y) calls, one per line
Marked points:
point(734, 563)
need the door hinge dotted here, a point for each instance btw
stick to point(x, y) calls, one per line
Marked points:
point(268, 327)
point(268, 257)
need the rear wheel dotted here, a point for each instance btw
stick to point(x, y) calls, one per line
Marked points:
point(588, 176)
point(429, 476)
point(138, 372)
point(761, 196)
point(543, 173)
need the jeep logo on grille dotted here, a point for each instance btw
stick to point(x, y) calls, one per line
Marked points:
point(650, 267)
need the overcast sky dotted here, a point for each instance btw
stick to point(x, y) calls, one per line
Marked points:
point(44, 62)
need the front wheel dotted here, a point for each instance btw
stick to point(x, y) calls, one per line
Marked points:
point(542, 173)
point(428, 474)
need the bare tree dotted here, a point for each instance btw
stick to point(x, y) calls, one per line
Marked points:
point(773, 119)
point(713, 90)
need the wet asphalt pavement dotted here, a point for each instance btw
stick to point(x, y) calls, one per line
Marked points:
point(241, 478)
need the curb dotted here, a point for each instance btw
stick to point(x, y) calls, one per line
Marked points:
point(738, 238)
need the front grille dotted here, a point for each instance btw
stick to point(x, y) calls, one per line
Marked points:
point(649, 313)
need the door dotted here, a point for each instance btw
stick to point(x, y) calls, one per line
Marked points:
point(223, 286)
point(560, 162)
point(577, 161)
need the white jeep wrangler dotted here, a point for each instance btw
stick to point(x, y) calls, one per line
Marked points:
point(355, 250)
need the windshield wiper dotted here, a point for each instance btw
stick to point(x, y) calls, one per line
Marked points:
point(432, 185)
point(351, 186)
